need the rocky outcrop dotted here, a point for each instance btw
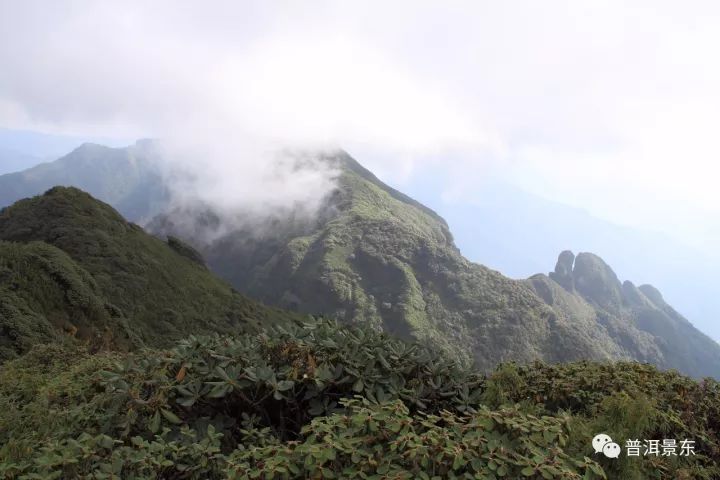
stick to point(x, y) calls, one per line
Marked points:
point(633, 296)
point(653, 294)
point(596, 281)
point(588, 297)
point(563, 273)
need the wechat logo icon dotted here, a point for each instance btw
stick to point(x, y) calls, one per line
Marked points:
point(603, 444)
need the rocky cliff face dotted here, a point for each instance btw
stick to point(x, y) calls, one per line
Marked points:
point(636, 319)
point(563, 273)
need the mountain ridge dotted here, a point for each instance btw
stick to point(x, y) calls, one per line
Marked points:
point(374, 255)
point(638, 316)
point(382, 258)
point(520, 233)
point(127, 178)
point(70, 263)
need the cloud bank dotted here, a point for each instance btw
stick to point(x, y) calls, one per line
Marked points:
point(608, 106)
point(227, 87)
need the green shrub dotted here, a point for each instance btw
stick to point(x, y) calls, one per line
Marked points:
point(283, 378)
point(385, 441)
point(323, 401)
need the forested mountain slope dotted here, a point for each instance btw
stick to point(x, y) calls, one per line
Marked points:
point(373, 255)
point(72, 266)
point(584, 289)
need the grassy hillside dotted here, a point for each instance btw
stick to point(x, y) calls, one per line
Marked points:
point(72, 264)
point(324, 401)
point(377, 257)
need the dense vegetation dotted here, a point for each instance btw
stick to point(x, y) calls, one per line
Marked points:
point(585, 291)
point(102, 378)
point(71, 265)
point(375, 256)
point(44, 296)
point(323, 401)
point(371, 256)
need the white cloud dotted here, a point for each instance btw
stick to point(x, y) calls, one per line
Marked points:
point(600, 104)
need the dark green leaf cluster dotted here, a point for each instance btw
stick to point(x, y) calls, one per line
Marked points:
point(626, 400)
point(385, 441)
point(323, 401)
point(284, 377)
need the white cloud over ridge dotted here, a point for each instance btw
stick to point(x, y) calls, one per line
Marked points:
point(610, 106)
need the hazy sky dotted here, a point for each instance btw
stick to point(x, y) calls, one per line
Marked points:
point(608, 106)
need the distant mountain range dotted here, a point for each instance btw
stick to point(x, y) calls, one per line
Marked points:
point(126, 178)
point(376, 256)
point(517, 233)
point(14, 161)
point(22, 149)
point(498, 225)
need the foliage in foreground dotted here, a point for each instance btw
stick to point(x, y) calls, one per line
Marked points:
point(322, 401)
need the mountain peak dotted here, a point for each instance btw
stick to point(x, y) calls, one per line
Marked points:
point(83, 268)
point(653, 294)
point(90, 149)
point(586, 294)
point(634, 296)
point(48, 215)
point(563, 273)
point(595, 280)
point(590, 276)
point(348, 164)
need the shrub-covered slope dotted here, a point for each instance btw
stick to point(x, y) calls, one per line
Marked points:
point(584, 289)
point(71, 265)
point(324, 401)
point(376, 256)
point(45, 296)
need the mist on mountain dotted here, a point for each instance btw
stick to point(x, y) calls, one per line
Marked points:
point(375, 256)
point(234, 185)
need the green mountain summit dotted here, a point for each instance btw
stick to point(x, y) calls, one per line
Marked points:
point(70, 264)
point(374, 255)
point(371, 255)
point(252, 391)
